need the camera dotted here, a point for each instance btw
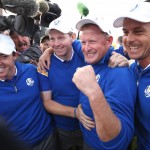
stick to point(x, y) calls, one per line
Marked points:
point(22, 24)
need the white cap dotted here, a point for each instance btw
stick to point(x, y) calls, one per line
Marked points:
point(59, 24)
point(140, 13)
point(97, 21)
point(7, 45)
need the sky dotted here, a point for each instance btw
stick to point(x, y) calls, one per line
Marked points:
point(107, 9)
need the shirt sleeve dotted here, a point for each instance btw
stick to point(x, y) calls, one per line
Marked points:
point(44, 83)
point(78, 48)
point(121, 96)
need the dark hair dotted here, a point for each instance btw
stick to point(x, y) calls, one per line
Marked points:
point(44, 38)
point(11, 32)
point(120, 39)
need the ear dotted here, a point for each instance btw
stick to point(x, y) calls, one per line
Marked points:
point(15, 55)
point(110, 40)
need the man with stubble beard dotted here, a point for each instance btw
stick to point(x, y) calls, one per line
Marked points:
point(27, 52)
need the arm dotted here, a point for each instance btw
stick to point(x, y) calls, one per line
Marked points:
point(108, 126)
point(58, 109)
point(44, 60)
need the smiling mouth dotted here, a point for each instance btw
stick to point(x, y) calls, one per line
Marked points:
point(133, 48)
point(1, 70)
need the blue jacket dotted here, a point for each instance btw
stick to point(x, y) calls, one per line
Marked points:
point(142, 107)
point(120, 90)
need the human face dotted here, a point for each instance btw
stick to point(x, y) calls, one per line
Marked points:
point(136, 40)
point(7, 67)
point(61, 43)
point(95, 43)
point(22, 43)
point(45, 45)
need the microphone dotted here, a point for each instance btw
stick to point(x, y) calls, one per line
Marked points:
point(43, 6)
point(21, 7)
point(83, 10)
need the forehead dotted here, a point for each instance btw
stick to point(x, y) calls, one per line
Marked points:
point(1, 55)
point(54, 31)
point(15, 35)
point(91, 28)
point(91, 31)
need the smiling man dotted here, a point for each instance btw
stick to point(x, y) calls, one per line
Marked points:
point(107, 94)
point(20, 103)
point(136, 40)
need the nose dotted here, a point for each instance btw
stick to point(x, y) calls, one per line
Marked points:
point(20, 38)
point(86, 46)
point(57, 42)
point(130, 37)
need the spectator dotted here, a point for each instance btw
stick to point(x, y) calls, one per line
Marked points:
point(27, 52)
point(44, 43)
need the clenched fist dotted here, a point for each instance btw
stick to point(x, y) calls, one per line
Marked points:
point(85, 80)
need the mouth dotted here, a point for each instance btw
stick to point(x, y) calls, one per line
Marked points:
point(134, 48)
point(89, 55)
point(21, 44)
point(2, 69)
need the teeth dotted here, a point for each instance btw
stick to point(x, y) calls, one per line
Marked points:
point(133, 47)
point(1, 69)
point(89, 55)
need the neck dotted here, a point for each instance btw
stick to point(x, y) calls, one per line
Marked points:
point(12, 73)
point(67, 57)
point(144, 63)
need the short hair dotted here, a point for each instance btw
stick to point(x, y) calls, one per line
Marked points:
point(11, 32)
point(44, 38)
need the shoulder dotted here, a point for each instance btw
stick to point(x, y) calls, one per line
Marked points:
point(25, 67)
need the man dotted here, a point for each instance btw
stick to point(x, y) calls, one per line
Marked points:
point(136, 29)
point(27, 52)
point(107, 94)
point(44, 43)
point(59, 93)
point(20, 102)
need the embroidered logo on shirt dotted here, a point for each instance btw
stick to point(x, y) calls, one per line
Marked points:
point(147, 91)
point(42, 72)
point(97, 77)
point(30, 82)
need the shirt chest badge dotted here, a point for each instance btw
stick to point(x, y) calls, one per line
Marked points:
point(97, 77)
point(147, 91)
point(30, 81)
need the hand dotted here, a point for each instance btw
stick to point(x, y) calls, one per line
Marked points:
point(34, 62)
point(85, 80)
point(44, 60)
point(118, 60)
point(84, 119)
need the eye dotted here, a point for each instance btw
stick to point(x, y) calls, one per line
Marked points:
point(138, 31)
point(3, 57)
point(83, 43)
point(51, 39)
